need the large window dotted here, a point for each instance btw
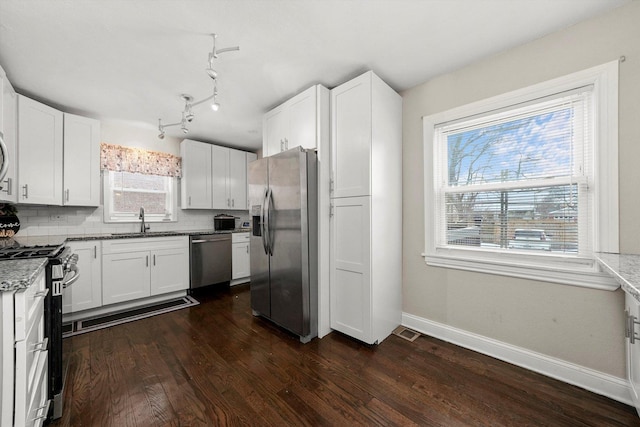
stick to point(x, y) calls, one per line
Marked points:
point(125, 193)
point(525, 184)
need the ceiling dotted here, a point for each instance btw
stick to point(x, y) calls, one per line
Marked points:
point(131, 60)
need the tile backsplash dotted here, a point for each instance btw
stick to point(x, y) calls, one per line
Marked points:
point(65, 221)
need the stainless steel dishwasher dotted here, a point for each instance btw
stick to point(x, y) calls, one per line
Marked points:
point(210, 259)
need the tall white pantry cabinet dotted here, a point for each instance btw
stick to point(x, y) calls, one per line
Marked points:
point(366, 209)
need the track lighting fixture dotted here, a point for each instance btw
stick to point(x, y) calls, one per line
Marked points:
point(187, 113)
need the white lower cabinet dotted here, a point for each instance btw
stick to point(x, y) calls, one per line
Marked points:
point(169, 270)
point(139, 268)
point(632, 308)
point(86, 292)
point(350, 266)
point(24, 356)
point(125, 276)
point(240, 258)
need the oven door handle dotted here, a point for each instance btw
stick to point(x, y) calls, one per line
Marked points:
point(76, 275)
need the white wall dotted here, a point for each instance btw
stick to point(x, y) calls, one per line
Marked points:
point(65, 221)
point(577, 325)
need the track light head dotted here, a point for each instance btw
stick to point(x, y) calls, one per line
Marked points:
point(212, 73)
point(215, 106)
point(161, 135)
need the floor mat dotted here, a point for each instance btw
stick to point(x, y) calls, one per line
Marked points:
point(87, 325)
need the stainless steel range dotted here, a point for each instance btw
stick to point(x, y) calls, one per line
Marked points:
point(61, 271)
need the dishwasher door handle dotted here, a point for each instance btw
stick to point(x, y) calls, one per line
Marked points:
point(222, 238)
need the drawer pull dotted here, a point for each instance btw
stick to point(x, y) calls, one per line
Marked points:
point(40, 346)
point(41, 294)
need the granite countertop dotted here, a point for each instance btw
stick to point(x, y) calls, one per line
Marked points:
point(137, 235)
point(625, 269)
point(16, 274)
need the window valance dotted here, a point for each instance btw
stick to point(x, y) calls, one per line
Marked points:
point(136, 160)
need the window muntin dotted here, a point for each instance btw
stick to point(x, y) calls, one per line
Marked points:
point(125, 193)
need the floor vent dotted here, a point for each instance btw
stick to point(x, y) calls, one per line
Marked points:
point(406, 333)
point(88, 325)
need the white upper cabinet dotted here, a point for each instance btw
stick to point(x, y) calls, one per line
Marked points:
point(351, 138)
point(296, 122)
point(250, 158)
point(40, 133)
point(196, 175)
point(274, 131)
point(220, 174)
point(237, 183)
point(81, 161)
point(229, 178)
point(213, 177)
point(8, 128)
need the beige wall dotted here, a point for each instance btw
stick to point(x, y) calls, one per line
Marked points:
point(139, 135)
point(579, 325)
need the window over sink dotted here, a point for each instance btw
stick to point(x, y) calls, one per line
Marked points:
point(126, 192)
point(525, 184)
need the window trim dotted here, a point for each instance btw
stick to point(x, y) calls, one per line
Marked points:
point(108, 217)
point(544, 267)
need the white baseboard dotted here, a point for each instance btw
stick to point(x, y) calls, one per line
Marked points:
point(589, 379)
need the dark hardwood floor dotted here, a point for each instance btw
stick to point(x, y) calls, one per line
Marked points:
point(215, 364)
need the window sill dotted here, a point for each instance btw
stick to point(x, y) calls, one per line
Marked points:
point(582, 272)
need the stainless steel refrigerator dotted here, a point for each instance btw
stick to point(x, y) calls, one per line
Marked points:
point(284, 239)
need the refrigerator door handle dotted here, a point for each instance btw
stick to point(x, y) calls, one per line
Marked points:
point(268, 220)
point(263, 224)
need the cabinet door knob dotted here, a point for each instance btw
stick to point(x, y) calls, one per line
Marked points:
point(25, 191)
point(147, 257)
point(66, 195)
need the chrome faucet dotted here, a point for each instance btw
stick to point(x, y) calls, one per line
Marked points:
point(143, 227)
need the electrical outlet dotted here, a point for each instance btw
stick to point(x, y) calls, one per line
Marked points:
point(57, 218)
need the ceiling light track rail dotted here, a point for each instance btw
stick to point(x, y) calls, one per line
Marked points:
point(189, 103)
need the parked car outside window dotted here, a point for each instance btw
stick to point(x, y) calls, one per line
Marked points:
point(530, 238)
